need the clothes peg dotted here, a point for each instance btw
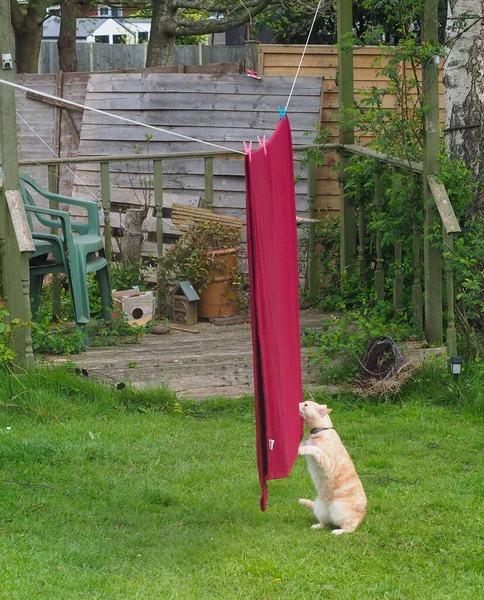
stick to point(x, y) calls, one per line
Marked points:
point(253, 74)
point(282, 112)
point(262, 143)
point(248, 150)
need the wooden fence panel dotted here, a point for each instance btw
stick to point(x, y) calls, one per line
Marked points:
point(225, 110)
point(40, 134)
point(93, 56)
point(283, 60)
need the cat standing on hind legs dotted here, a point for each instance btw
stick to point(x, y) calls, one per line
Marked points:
point(341, 499)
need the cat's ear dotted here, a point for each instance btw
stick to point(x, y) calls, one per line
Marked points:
point(324, 410)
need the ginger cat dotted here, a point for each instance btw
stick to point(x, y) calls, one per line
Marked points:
point(341, 500)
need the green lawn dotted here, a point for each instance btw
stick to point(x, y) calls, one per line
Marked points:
point(118, 495)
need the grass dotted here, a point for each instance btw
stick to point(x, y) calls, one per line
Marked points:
point(119, 495)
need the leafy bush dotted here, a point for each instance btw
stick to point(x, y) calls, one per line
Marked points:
point(346, 337)
point(398, 129)
point(192, 257)
point(54, 338)
point(6, 353)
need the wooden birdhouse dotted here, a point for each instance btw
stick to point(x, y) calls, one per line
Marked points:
point(138, 307)
point(185, 303)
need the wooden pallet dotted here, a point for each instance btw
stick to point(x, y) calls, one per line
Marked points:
point(184, 217)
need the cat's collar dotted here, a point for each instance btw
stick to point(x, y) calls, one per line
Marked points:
point(318, 430)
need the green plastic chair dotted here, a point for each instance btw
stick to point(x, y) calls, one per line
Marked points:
point(75, 249)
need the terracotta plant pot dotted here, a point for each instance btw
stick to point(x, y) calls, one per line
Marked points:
point(219, 298)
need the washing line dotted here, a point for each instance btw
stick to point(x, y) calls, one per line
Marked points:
point(302, 56)
point(57, 156)
point(152, 127)
point(118, 117)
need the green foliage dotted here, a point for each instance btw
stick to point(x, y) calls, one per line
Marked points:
point(8, 328)
point(343, 338)
point(189, 14)
point(193, 15)
point(56, 338)
point(194, 258)
point(396, 127)
point(63, 338)
point(6, 354)
point(123, 279)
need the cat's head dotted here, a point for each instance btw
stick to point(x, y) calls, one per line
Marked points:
point(314, 414)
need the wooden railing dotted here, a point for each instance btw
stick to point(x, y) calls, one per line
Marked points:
point(161, 212)
point(449, 221)
point(450, 227)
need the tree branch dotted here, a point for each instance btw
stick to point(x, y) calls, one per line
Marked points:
point(240, 15)
point(461, 33)
point(216, 6)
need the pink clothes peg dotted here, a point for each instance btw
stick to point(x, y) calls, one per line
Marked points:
point(248, 150)
point(262, 143)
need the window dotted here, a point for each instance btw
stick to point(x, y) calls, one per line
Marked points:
point(101, 39)
point(120, 39)
point(109, 11)
point(142, 37)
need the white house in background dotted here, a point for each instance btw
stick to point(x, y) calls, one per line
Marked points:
point(103, 30)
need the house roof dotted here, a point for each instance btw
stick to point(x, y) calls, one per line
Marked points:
point(87, 26)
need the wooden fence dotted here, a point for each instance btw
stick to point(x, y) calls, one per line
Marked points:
point(223, 110)
point(110, 57)
point(323, 61)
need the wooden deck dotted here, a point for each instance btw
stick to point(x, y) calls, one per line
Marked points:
point(216, 361)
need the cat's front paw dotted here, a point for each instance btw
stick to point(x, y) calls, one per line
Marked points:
point(303, 451)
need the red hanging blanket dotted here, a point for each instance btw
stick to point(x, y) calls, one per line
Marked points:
point(274, 300)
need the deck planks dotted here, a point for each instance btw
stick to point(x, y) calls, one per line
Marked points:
point(216, 361)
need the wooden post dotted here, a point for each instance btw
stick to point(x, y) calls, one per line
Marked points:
point(398, 266)
point(209, 182)
point(15, 263)
point(158, 185)
point(398, 277)
point(53, 172)
point(252, 55)
point(312, 264)
point(361, 243)
point(451, 335)
point(450, 226)
point(346, 132)
point(417, 300)
point(379, 270)
point(106, 204)
point(432, 255)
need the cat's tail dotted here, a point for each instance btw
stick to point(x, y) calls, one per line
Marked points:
point(307, 503)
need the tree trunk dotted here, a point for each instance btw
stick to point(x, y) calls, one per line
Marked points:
point(130, 243)
point(161, 43)
point(66, 44)
point(27, 44)
point(464, 93)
